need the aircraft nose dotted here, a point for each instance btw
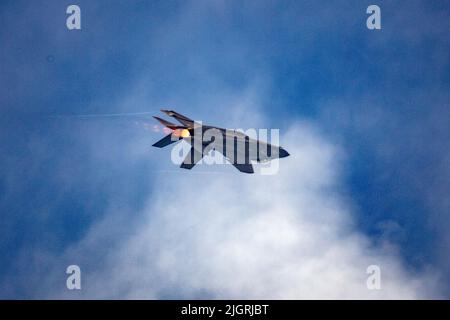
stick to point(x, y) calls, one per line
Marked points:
point(283, 153)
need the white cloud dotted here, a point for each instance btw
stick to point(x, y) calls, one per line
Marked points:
point(241, 236)
point(219, 235)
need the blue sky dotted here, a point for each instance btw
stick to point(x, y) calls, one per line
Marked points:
point(379, 97)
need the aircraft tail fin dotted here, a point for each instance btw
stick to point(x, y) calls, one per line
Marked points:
point(180, 118)
point(167, 124)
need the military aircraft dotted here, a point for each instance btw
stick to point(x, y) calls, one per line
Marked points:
point(238, 148)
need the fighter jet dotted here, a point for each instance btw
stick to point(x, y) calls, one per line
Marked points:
point(238, 148)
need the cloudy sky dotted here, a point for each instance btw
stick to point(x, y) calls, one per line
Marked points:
point(364, 114)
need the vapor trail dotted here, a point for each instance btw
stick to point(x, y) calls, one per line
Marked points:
point(97, 115)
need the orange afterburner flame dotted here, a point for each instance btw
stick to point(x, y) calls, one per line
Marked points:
point(182, 133)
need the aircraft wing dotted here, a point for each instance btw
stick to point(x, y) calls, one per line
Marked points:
point(191, 159)
point(194, 155)
point(246, 168)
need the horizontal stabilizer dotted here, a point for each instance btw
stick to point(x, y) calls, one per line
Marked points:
point(166, 141)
